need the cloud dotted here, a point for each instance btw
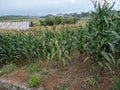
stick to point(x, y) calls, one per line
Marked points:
point(72, 1)
point(34, 7)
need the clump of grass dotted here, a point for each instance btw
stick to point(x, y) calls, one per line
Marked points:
point(7, 69)
point(33, 68)
point(34, 80)
point(43, 71)
point(91, 81)
point(115, 83)
point(63, 87)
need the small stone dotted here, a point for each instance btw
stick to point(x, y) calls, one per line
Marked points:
point(22, 88)
point(40, 88)
point(14, 88)
point(9, 86)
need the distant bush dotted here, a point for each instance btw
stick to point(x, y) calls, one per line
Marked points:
point(69, 20)
point(36, 23)
point(58, 20)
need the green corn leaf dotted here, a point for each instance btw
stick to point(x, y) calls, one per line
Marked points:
point(109, 66)
point(85, 60)
point(112, 58)
point(53, 55)
point(101, 64)
point(112, 47)
point(116, 34)
point(107, 22)
point(63, 61)
point(117, 63)
point(105, 55)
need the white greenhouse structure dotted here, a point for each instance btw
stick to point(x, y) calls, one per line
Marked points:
point(15, 25)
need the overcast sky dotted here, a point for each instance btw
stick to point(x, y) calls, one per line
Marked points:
point(43, 7)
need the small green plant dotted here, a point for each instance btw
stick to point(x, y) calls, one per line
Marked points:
point(33, 68)
point(43, 71)
point(34, 80)
point(63, 87)
point(91, 81)
point(116, 83)
point(7, 69)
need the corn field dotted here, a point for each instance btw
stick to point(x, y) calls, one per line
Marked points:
point(51, 45)
point(101, 39)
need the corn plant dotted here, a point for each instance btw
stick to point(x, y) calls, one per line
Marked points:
point(103, 36)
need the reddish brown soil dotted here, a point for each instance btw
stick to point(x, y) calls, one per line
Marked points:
point(73, 76)
point(18, 76)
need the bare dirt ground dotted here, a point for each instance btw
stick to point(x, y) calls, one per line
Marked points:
point(78, 75)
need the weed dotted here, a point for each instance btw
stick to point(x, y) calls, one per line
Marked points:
point(91, 81)
point(115, 83)
point(43, 71)
point(33, 68)
point(7, 69)
point(34, 80)
point(63, 87)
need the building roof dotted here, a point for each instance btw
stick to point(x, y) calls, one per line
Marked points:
point(15, 25)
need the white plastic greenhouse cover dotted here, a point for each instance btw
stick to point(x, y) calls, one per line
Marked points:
point(15, 25)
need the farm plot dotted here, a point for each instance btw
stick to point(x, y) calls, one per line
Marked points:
point(94, 67)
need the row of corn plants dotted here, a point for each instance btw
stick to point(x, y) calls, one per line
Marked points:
point(50, 45)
